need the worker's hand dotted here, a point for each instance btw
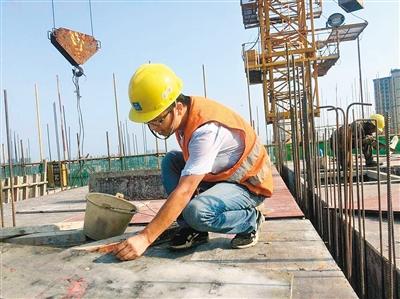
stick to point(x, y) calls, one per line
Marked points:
point(369, 139)
point(131, 248)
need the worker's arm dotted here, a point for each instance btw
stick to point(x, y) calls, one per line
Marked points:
point(135, 246)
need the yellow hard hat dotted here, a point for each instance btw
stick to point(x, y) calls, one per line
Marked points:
point(152, 89)
point(380, 121)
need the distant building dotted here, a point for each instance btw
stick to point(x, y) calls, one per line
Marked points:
point(387, 98)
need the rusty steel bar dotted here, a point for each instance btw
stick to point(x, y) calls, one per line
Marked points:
point(339, 239)
point(391, 241)
point(336, 197)
point(380, 214)
point(295, 131)
point(348, 241)
point(328, 185)
point(303, 165)
point(360, 209)
point(318, 185)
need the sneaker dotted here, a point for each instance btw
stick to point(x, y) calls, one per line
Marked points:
point(245, 240)
point(372, 164)
point(187, 237)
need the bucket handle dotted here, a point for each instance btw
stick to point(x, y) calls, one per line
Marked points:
point(107, 206)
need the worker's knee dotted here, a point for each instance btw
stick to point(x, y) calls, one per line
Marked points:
point(198, 215)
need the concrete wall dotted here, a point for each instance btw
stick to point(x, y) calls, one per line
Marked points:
point(134, 184)
point(376, 284)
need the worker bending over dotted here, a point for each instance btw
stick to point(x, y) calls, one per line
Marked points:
point(218, 179)
point(364, 131)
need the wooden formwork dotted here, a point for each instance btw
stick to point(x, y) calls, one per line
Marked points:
point(24, 187)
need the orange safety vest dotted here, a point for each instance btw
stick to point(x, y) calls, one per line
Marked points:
point(253, 169)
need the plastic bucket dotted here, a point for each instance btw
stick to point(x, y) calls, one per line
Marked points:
point(106, 215)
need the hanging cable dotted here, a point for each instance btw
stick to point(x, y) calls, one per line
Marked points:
point(91, 17)
point(77, 72)
point(54, 17)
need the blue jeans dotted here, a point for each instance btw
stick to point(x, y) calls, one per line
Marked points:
point(220, 207)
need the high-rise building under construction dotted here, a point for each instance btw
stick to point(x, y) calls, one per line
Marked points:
point(387, 98)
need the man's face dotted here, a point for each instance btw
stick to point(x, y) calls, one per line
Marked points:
point(162, 123)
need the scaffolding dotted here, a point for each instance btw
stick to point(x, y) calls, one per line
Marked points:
point(290, 56)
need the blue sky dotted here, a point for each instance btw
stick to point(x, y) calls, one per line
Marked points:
point(181, 34)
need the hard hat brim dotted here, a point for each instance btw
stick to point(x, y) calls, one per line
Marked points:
point(143, 117)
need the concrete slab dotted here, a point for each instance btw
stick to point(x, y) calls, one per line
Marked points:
point(290, 261)
point(87, 276)
point(371, 198)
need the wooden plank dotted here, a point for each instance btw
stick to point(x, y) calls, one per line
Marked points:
point(36, 180)
point(43, 178)
point(383, 175)
point(7, 191)
point(25, 188)
point(51, 211)
point(10, 232)
point(55, 238)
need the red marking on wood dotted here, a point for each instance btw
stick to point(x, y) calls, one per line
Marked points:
point(281, 204)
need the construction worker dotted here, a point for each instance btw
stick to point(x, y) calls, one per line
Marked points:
point(222, 157)
point(358, 130)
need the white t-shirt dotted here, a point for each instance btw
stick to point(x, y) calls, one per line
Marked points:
point(213, 148)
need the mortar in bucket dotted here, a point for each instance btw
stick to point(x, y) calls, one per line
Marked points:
point(106, 215)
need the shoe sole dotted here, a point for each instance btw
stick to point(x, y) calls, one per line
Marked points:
point(255, 241)
point(188, 245)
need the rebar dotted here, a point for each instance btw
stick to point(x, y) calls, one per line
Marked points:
point(10, 162)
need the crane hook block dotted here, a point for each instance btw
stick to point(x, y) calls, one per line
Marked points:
point(75, 46)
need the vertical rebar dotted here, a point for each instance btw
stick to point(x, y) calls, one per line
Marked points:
point(328, 185)
point(67, 142)
point(248, 87)
point(391, 241)
point(358, 141)
point(360, 76)
point(22, 161)
point(38, 122)
point(128, 137)
point(61, 120)
point(108, 152)
point(158, 160)
point(204, 81)
point(10, 162)
point(56, 131)
point(380, 214)
point(117, 114)
point(48, 141)
point(1, 204)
